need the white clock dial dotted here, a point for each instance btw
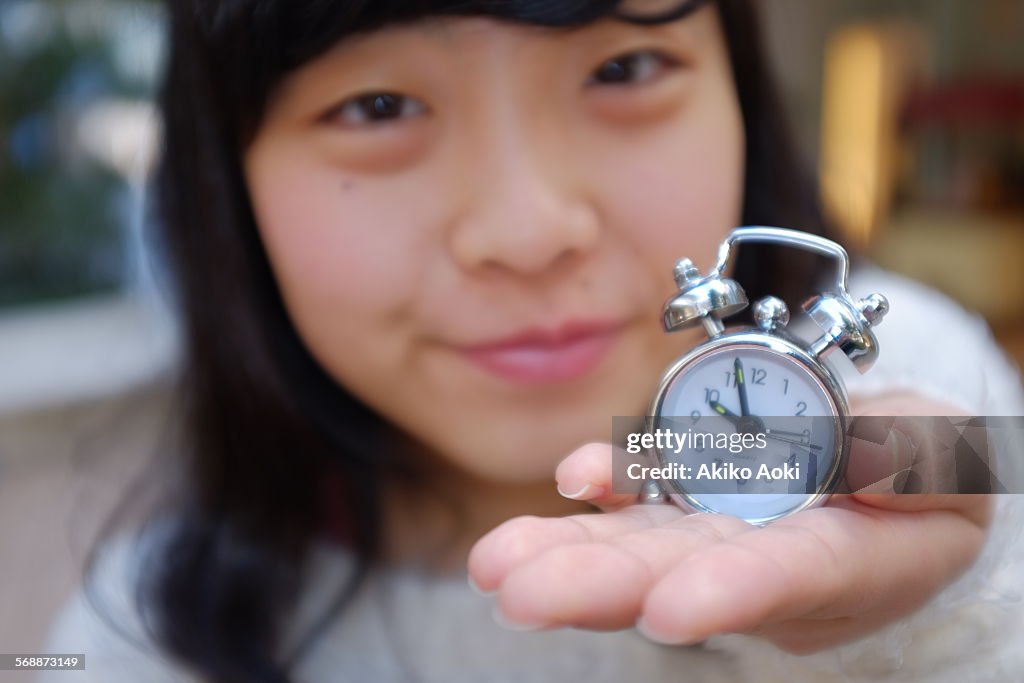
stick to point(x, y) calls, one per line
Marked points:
point(748, 389)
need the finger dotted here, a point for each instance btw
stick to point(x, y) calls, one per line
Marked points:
point(827, 563)
point(898, 430)
point(924, 467)
point(914, 454)
point(974, 507)
point(586, 474)
point(606, 586)
point(806, 636)
point(878, 452)
point(523, 538)
point(602, 585)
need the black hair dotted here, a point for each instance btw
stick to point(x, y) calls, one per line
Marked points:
point(266, 425)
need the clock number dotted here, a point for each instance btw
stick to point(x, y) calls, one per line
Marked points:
point(757, 376)
point(785, 386)
point(801, 408)
point(695, 416)
point(711, 395)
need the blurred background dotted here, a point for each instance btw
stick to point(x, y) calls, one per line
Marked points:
point(912, 110)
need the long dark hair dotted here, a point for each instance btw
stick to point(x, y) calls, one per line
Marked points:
point(265, 425)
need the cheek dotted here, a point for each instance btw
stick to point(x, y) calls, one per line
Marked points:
point(678, 192)
point(347, 257)
point(326, 236)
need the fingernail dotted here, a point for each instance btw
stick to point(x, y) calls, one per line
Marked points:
point(662, 639)
point(586, 493)
point(477, 589)
point(501, 620)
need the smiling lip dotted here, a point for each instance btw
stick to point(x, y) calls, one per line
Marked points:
point(541, 356)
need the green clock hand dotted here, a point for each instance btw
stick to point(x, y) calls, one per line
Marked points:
point(732, 417)
point(721, 410)
point(746, 424)
point(741, 384)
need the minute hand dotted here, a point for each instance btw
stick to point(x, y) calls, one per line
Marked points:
point(741, 384)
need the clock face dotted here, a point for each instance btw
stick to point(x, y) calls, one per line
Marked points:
point(753, 432)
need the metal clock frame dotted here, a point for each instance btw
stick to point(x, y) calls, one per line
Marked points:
point(825, 380)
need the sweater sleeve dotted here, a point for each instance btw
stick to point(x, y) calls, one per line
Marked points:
point(974, 629)
point(101, 622)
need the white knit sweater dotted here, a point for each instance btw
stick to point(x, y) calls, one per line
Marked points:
point(405, 626)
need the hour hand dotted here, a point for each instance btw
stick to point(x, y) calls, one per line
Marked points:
point(726, 413)
point(744, 424)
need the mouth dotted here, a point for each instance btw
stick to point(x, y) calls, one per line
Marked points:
point(542, 356)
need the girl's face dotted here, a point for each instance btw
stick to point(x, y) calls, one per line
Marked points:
point(473, 223)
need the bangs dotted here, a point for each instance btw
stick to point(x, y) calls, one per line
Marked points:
point(315, 26)
point(305, 28)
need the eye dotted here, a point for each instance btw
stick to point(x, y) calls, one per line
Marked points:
point(376, 108)
point(633, 68)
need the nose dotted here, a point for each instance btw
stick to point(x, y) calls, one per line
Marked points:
point(527, 215)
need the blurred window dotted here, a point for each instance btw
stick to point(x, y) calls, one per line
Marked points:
point(76, 136)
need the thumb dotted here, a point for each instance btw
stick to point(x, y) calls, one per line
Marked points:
point(906, 464)
point(587, 474)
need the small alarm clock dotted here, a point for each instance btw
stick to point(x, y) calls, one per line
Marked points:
point(754, 420)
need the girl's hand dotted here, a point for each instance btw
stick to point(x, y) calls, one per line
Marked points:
point(807, 582)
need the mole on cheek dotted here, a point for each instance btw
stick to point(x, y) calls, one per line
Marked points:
point(348, 184)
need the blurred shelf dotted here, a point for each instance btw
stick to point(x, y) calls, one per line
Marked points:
point(974, 258)
point(1011, 338)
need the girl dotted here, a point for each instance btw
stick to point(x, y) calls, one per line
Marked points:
point(421, 249)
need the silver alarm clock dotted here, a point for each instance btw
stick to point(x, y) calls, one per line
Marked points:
point(761, 384)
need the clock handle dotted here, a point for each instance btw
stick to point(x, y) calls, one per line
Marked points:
point(845, 322)
point(787, 238)
point(708, 299)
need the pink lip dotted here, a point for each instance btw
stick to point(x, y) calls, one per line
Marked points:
point(539, 356)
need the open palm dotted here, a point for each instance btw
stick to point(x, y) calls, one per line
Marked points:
point(809, 581)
